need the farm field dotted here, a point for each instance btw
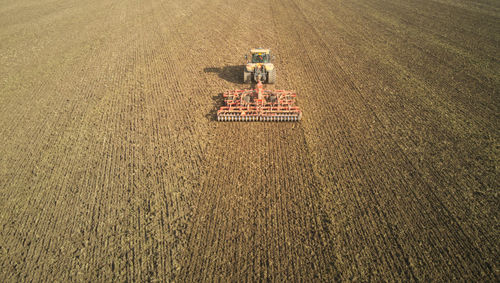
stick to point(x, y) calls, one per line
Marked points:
point(114, 168)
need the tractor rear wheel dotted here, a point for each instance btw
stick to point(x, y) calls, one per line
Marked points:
point(271, 77)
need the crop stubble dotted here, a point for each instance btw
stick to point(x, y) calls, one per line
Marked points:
point(112, 166)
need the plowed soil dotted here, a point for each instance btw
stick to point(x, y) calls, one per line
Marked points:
point(113, 167)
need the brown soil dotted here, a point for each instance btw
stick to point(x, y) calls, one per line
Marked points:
point(112, 166)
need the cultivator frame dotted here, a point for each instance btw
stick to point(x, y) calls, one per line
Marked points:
point(259, 105)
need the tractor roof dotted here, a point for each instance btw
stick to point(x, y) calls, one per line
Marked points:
point(259, 50)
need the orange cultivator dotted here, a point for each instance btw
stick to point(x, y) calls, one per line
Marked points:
point(259, 105)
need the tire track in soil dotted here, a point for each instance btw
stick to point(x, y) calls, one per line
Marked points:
point(183, 111)
point(162, 159)
point(50, 190)
point(134, 181)
point(418, 181)
point(115, 120)
point(451, 82)
point(293, 36)
point(475, 31)
point(41, 116)
point(209, 234)
point(436, 177)
point(174, 116)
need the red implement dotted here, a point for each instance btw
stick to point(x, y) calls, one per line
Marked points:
point(259, 105)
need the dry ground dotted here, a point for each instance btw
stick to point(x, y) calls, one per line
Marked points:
point(112, 166)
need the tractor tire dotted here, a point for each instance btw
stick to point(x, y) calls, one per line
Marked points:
point(247, 77)
point(271, 77)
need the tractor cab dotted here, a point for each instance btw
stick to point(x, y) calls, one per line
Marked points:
point(260, 55)
point(260, 58)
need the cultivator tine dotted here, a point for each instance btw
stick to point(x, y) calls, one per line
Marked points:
point(259, 105)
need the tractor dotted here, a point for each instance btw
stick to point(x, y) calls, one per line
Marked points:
point(259, 104)
point(259, 68)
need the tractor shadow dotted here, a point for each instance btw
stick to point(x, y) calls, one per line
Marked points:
point(218, 101)
point(232, 74)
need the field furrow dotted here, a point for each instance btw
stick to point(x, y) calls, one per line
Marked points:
point(114, 168)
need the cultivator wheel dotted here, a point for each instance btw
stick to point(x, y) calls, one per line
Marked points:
point(236, 118)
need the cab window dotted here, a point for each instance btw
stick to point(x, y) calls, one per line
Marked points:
point(260, 58)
